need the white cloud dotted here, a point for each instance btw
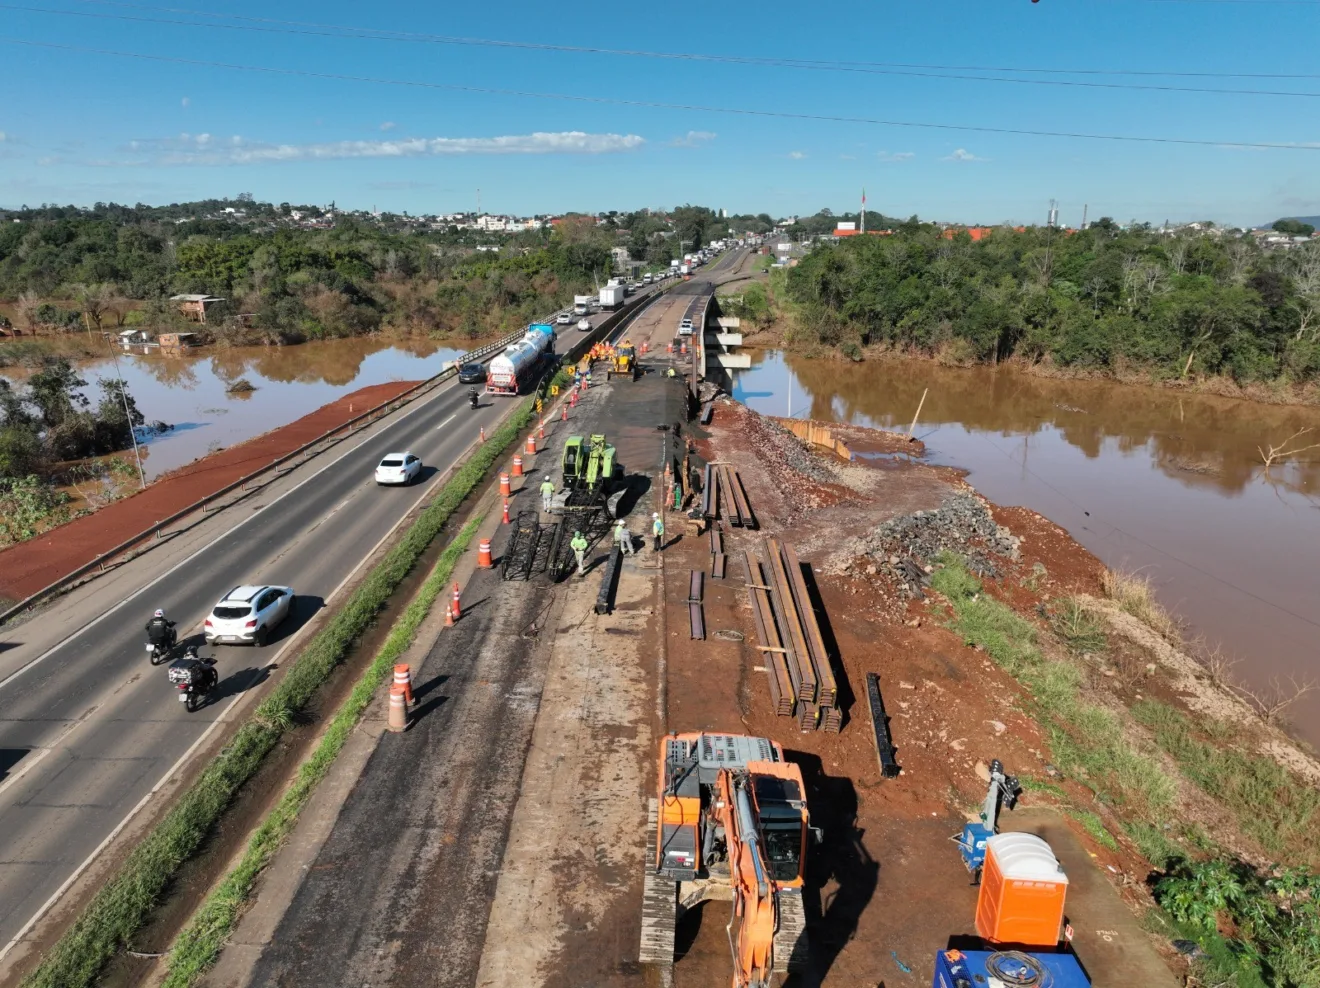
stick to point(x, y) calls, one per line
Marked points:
point(185, 102)
point(895, 155)
point(201, 149)
point(797, 155)
point(693, 138)
point(962, 154)
point(388, 125)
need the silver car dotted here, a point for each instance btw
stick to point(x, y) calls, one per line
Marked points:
point(247, 615)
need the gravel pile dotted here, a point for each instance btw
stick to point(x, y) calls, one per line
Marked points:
point(961, 524)
point(792, 451)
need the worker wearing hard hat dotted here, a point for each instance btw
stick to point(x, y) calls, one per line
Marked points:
point(657, 531)
point(623, 537)
point(547, 493)
point(580, 546)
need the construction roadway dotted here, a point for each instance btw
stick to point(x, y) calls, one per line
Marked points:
point(505, 827)
point(93, 744)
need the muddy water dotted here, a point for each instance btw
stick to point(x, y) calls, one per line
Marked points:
point(189, 390)
point(1145, 478)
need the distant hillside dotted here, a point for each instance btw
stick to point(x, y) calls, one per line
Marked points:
point(1313, 220)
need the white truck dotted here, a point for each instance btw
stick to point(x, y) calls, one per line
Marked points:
point(611, 296)
point(684, 269)
point(673, 265)
point(581, 305)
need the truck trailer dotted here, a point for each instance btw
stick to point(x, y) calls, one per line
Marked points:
point(518, 366)
point(581, 305)
point(611, 296)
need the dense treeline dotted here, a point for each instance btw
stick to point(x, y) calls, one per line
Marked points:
point(116, 265)
point(1103, 299)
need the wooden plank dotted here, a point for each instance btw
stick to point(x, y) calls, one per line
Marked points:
point(827, 693)
point(884, 743)
point(786, 613)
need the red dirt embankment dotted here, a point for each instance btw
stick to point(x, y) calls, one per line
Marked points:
point(29, 566)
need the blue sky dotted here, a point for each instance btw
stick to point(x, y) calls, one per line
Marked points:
point(80, 127)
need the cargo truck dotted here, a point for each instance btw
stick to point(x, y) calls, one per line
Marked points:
point(611, 296)
point(581, 305)
point(684, 269)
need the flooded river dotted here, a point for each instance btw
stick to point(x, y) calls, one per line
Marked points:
point(1147, 479)
point(190, 390)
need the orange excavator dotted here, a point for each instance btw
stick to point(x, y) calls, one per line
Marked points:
point(730, 823)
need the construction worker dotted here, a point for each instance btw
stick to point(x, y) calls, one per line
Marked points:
point(657, 531)
point(547, 493)
point(579, 546)
point(623, 537)
point(671, 373)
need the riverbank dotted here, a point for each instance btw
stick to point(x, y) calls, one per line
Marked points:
point(780, 336)
point(996, 635)
point(29, 566)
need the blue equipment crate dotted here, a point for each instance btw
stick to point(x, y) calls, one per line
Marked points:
point(967, 969)
point(972, 844)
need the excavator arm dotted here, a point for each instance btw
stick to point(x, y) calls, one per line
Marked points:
point(751, 928)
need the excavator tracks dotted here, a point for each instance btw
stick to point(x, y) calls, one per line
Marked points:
point(659, 901)
point(791, 937)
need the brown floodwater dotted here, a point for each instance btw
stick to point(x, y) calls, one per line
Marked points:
point(189, 390)
point(1148, 479)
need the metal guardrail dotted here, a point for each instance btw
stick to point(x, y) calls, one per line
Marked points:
point(99, 563)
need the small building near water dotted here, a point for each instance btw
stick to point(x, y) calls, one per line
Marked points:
point(195, 306)
point(176, 341)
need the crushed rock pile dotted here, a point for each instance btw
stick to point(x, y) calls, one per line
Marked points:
point(790, 450)
point(962, 524)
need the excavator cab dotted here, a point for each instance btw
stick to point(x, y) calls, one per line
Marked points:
point(730, 823)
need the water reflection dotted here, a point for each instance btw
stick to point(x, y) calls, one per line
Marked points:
point(191, 387)
point(1143, 477)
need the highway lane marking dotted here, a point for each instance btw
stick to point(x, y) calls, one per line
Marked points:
point(246, 693)
point(445, 422)
point(172, 570)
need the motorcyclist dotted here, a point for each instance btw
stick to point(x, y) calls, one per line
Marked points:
point(472, 397)
point(160, 630)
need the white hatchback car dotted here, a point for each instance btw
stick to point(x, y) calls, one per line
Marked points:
point(685, 328)
point(247, 614)
point(564, 318)
point(398, 468)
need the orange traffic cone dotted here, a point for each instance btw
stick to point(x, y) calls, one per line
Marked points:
point(506, 513)
point(458, 607)
point(517, 466)
point(531, 446)
point(403, 678)
point(563, 414)
point(540, 430)
point(483, 433)
point(483, 554)
point(398, 719)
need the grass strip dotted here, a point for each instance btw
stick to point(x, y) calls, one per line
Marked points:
point(124, 904)
point(1087, 739)
point(1269, 802)
point(198, 946)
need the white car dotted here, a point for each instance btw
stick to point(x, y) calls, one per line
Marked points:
point(247, 614)
point(584, 325)
point(564, 318)
point(398, 468)
point(685, 328)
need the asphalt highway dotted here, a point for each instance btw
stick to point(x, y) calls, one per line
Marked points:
point(89, 730)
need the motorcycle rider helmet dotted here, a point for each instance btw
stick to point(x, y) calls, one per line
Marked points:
point(159, 613)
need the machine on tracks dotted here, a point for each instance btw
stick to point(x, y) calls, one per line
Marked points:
point(730, 823)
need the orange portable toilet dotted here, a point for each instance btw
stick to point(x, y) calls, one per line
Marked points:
point(1022, 892)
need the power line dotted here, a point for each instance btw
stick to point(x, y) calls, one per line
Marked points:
point(656, 105)
point(317, 29)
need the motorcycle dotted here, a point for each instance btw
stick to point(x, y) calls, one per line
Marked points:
point(159, 652)
point(194, 677)
point(474, 399)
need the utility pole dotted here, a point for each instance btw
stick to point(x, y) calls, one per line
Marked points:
point(863, 209)
point(478, 203)
point(132, 432)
